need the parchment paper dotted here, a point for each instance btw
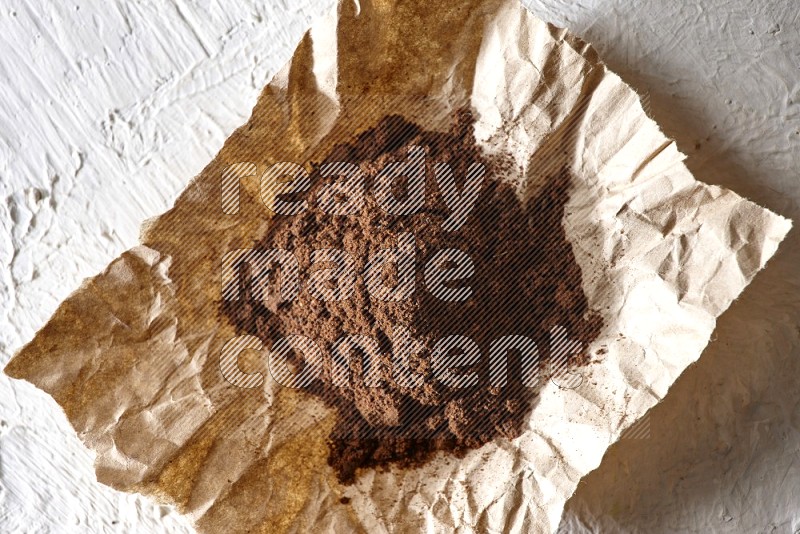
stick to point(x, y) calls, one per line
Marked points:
point(133, 355)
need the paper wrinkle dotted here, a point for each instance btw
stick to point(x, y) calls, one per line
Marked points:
point(132, 356)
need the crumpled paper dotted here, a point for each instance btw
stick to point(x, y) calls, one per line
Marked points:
point(133, 355)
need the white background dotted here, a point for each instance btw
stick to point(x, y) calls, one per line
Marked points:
point(108, 108)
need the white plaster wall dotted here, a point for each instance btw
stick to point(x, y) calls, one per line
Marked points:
point(107, 108)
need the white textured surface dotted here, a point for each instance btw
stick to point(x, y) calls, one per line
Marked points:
point(106, 111)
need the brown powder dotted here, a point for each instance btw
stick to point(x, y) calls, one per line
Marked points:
point(525, 283)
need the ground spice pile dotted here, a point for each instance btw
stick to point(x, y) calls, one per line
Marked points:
point(525, 282)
